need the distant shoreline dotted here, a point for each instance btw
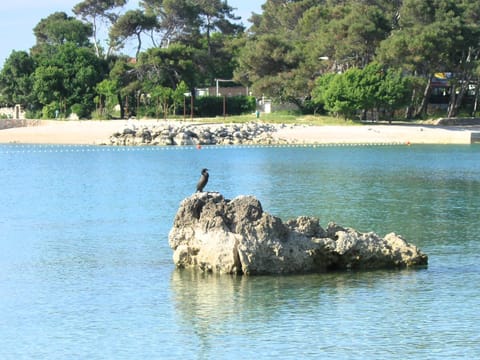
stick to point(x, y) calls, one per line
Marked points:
point(93, 132)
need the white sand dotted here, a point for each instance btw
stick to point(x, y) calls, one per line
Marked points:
point(376, 134)
point(98, 132)
point(66, 132)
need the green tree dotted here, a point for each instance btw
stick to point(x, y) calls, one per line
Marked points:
point(107, 96)
point(289, 45)
point(132, 24)
point(16, 79)
point(69, 76)
point(162, 96)
point(271, 61)
point(206, 27)
point(347, 33)
point(383, 89)
point(344, 95)
point(168, 66)
point(216, 15)
point(129, 87)
point(174, 19)
point(58, 29)
point(358, 91)
point(465, 61)
point(49, 87)
point(187, 21)
point(320, 89)
point(393, 92)
point(95, 12)
point(269, 65)
point(121, 88)
point(299, 40)
point(436, 36)
point(178, 95)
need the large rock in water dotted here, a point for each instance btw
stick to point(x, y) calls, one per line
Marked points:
point(236, 236)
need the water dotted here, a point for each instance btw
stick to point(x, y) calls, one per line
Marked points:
point(86, 271)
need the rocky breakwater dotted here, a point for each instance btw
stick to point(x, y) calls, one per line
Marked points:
point(195, 134)
point(236, 236)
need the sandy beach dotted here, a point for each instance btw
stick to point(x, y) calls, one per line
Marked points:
point(98, 132)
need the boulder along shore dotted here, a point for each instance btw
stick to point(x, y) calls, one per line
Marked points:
point(192, 134)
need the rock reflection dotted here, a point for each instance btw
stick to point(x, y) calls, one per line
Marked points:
point(208, 302)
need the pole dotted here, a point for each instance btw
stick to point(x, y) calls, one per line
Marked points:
point(224, 107)
point(191, 106)
point(221, 80)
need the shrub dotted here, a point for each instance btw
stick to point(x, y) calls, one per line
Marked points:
point(81, 110)
point(210, 106)
point(48, 111)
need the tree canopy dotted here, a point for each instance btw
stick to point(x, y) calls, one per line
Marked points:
point(58, 29)
point(347, 57)
point(16, 80)
point(96, 12)
point(294, 42)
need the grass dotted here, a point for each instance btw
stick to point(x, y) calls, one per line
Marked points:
point(280, 118)
point(283, 117)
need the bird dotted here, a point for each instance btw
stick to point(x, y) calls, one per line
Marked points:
point(203, 180)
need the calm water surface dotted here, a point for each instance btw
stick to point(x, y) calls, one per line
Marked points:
point(86, 271)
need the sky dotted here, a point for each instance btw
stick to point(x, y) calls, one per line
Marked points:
point(19, 17)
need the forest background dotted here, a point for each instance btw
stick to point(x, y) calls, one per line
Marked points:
point(356, 59)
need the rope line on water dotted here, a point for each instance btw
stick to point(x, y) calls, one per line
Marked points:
point(44, 148)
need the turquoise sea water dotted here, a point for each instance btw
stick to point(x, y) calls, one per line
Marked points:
point(86, 271)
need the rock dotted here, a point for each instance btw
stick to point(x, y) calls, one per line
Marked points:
point(205, 137)
point(183, 138)
point(146, 135)
point(237, 236)
point(162, 140)
point(187, 135)
point(128, 131)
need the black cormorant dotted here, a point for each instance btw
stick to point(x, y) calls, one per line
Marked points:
point(203, 180)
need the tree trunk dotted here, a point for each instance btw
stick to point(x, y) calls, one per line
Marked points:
point(122, 109)
point(422, 109)
point(95, 41)
point(475, 103)
point(139, 38)
point(457, 99)
point(409, 109)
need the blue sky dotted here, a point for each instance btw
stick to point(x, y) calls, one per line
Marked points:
point(19, 17)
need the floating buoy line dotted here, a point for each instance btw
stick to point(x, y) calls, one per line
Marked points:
point(56, 148)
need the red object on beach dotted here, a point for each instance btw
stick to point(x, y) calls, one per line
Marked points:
point(199, 146)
